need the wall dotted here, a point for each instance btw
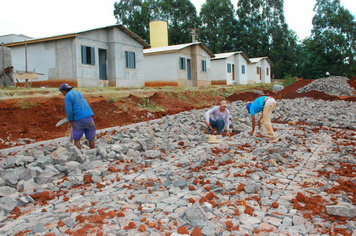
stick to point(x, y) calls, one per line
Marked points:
point(118, 74)
point(265, 78)
point(52, 58)
point(217, 70)
point(5, 57)
point(253, 77)
point(116, 43)
point(88, 75)
point(239, 77)
point(163, 67)
point(203, 78)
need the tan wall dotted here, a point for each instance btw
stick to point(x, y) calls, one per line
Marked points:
point(204, 83)
point(185, 82)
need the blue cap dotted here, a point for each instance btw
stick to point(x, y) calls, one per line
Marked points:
point(248, 107)
point(65, 86)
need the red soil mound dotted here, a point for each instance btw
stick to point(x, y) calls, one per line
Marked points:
point(35, 118)
point(293, 87)
point(352, 82)
point(247, 96)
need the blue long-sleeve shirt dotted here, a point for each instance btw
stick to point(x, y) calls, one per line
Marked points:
point(76, 106)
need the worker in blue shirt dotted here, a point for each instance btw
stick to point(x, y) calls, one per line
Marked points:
point(79, 112)
point(266, 105)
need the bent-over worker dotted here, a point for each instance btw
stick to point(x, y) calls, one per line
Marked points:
point(79, 112)
point(218, 117)
point(266, 105)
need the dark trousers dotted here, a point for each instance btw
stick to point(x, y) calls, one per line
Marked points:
point(216, 124)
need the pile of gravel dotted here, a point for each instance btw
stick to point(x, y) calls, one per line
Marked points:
point(334, 85)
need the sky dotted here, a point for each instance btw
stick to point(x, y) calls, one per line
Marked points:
point(43, 18)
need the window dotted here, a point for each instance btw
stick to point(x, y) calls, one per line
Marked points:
point(182, 63)
point(258, 70)
point(243, 69)
point(130, 60)
point(267, 71)
point(203, 65)
point(88, 56)
point(228, 68)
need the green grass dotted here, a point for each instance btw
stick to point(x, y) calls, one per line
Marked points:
point(27, 105)
point(112, 94)
point(288, 80)
point(150, 106)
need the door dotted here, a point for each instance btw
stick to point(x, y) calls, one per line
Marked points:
point(233, 71)
point(102, 64)
point(189, 69)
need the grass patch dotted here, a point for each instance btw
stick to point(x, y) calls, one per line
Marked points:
point(112, 94)
point(150, 106)
point(27, 105)
point(110, 100)
point(288, 80)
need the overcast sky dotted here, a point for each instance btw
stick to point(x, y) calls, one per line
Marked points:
point(42, 18)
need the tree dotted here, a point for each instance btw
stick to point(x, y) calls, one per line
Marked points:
point(218, 25)
point(264, 32)
point(252, 27)
point(310, 64)
point(133, 14)
point(179, 14)
point(333, 38)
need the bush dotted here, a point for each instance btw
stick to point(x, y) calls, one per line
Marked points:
point(288, 80)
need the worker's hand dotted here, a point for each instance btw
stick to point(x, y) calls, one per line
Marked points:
point(227, 133)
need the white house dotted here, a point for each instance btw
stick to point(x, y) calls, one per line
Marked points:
point(229, 68)
point(178, 65)
point(109, 55)
point(259, 70)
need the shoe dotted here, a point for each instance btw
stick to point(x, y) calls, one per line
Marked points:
point(210, 132)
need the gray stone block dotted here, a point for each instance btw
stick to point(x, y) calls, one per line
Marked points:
point(342, 209)
point(277, 88)
point(6, 191)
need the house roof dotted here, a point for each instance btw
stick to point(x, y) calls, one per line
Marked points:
point(220, 56)
point(175, 48)
point(71, 35)
point(257, 59)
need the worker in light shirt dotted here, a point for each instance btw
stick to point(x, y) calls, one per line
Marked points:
point(266, 105)
point(218, 118)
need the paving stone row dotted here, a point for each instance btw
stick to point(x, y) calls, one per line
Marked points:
point(163, 178)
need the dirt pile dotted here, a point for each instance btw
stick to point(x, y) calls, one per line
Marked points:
point(352, 82)
point(247, 96)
